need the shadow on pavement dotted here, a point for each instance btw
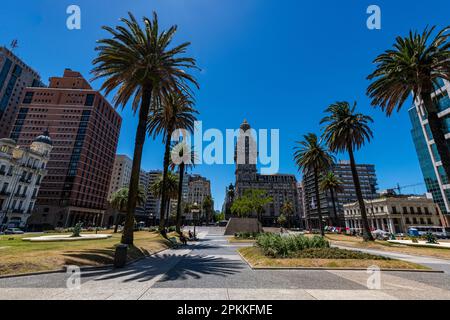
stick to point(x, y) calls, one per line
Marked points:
point(174, 267)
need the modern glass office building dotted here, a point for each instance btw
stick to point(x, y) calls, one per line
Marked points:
point(435, 178)
point(15, 77)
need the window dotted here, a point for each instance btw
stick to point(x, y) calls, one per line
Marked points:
point(89, 100)
point(28, 97)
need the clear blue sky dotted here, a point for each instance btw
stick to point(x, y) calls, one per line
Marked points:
point(277, 63)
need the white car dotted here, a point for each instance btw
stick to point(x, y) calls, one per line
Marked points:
point(14, 231)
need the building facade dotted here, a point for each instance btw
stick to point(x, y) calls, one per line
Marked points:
point(394, 214)
point(198, 188)
point(281, 187)
point(342, 169)
point(21, 172)
point(435, 178)
point(153, 203)
point(121, 173)
point(84, 128)
point(15, 77)
point(301, 203)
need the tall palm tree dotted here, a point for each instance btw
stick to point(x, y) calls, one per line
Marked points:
point(119, 202)
point(414, 64)
point(288, 210)
point(177, 113)
point(171, 190)
point(312, 157)
point(186, 156)
point(331, 183)
point(141, 63)
point(348, 131)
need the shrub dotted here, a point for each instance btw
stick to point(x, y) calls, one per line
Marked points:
point(246, 235)
point(275, 245)
point(172, 229)
point(431, 238)
point(336, 253)
point(76, 233)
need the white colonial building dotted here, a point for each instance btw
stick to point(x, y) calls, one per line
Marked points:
point(394, 214)
point(21, 172)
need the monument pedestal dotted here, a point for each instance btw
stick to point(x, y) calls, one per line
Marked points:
point(238, 225)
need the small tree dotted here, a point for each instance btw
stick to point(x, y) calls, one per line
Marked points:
point(242, 207)
point(282, 220)
point(288, 211)
point(76, 233)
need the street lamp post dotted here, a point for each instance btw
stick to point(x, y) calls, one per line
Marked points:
point(195, 212)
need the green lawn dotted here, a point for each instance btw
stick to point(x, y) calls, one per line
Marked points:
point(18, 256)
point(257, 259)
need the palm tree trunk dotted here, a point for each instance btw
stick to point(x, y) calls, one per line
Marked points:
point(319, 209)
point(116, 223)
point(437, 131)
point(367, 235)
point(127, 236)
point(180, 191)
point(336, 218)
point(162, 222)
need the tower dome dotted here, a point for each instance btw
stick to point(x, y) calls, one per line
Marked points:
point(44, 138)
point(245, 126)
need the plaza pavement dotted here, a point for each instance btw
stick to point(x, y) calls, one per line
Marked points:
point(211, 269)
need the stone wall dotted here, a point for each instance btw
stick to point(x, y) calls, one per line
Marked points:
point(242, 225)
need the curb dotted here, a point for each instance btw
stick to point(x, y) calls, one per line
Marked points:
point(334, 269)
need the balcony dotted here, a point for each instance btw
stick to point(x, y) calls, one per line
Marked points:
point(5, 193)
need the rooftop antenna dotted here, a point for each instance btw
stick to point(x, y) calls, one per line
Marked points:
point(14, 44)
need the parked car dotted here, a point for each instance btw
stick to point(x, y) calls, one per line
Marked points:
point(14, 231)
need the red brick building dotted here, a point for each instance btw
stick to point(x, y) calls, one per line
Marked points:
point(84, 129)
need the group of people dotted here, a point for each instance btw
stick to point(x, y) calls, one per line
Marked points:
point(184, 239)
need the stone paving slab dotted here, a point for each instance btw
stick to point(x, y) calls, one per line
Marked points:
point(350, 295)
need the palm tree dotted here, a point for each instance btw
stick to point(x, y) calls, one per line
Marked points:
point(347, 131)
point(288, 210)
point(139, 62)
point(119, 202)
point(187, 160)
point(207, 205)
point(171, 190)
point(177, 113)
point(331, 183)
point(414, 64)
point(312, 157)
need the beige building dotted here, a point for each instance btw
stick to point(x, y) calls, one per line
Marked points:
point(198, 189)
point(121, 174)
point(21, 172)
point(394, 214)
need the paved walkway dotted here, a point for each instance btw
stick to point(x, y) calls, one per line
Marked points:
point(433, 263)
point(212, 269)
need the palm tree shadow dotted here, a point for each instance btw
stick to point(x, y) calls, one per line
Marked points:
point(198, 266)
point(174, 267)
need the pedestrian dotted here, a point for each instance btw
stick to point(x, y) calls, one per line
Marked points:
point(183, 239)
